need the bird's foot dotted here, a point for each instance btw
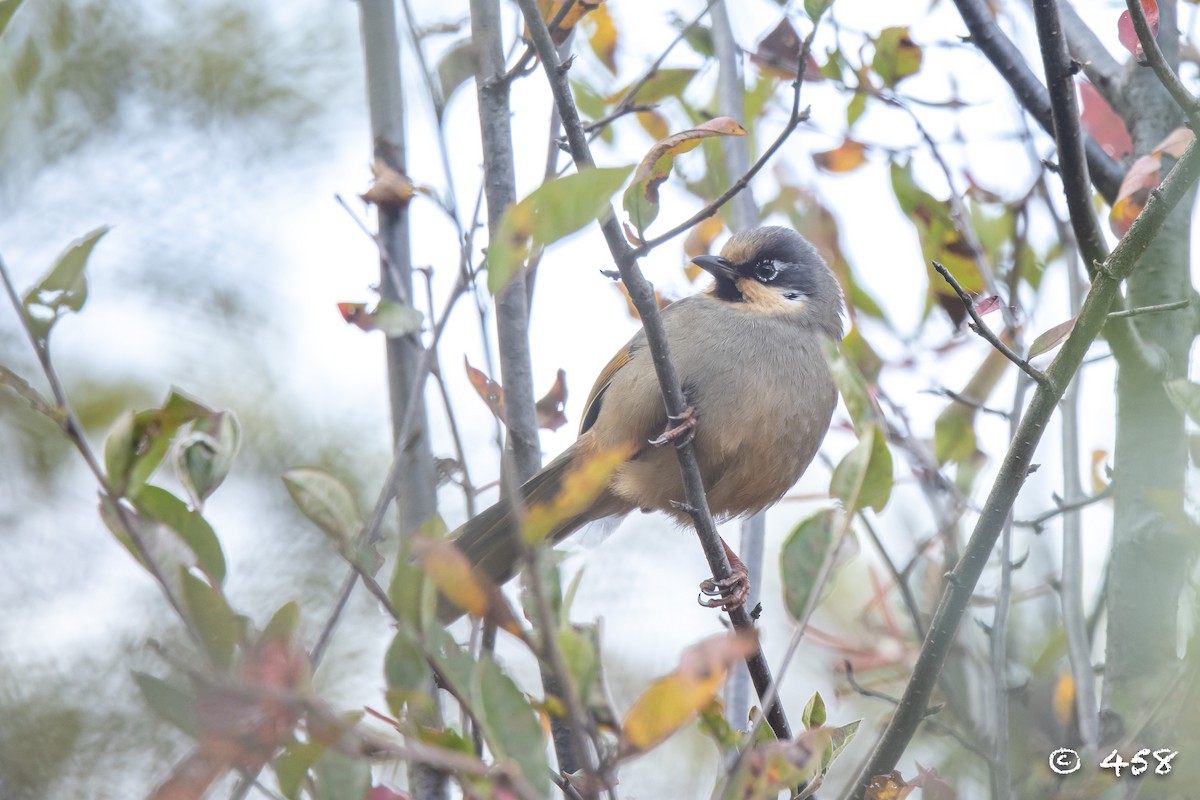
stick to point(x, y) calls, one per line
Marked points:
point(728, 593)
point(681, 433)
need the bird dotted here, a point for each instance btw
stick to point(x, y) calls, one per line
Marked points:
point(750, 353)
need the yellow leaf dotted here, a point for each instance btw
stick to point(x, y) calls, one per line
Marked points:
point(453, 576)
point(1064, 699)
point(579, 489)
point(699, 242)
point(603, 37)
point(672, 701)
point(887, 787)
point(654, 124)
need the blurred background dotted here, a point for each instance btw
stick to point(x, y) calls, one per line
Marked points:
point(214, 137)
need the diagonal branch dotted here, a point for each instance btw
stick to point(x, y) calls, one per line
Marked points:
point(642, 293)
point(1158, 62)
point(980, 327)
point(961, 582)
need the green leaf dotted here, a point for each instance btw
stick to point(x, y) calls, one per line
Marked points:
point(854, 110)
point(284, 624)
point(1185, 396)
point(800, 561)
point(7, 9)
point(341, 777)
point(162, 506)
point(1051, 338)
point(815, 8)
point(171, 703)
point(293, 764)
point(406, 590)
point(641, 198)
point(853, 388)
point(139, 441)
point(954, 435)
point(64, 287)
point(582, 661)
point(454, 68)
point(662, 84)
point(896, 56)
point(326, 501)
point(204, 457)
point(404, 666)
point(863, 479)
point(840, 739)
point(510, 725)
point(455, 665)
point(555, 209)
point(814, 712)
point(21, 388)
point(219, 627)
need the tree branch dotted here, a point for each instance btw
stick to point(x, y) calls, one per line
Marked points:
point(642, 294)
point(1093, 57)
point(999, 49)
point(1015, 467)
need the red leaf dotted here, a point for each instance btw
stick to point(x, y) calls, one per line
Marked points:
point(1128, 36)
point(987, 305)
point(550, 408)
point(491, 392)
point(1102, 123)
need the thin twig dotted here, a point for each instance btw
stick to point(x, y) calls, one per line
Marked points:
point(1134, 312)
point(371, 532)
point(1065, 506)
point(967, 401)
point(519, 69)
point(981, 328)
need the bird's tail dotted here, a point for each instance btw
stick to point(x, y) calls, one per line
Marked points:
point(490, 539)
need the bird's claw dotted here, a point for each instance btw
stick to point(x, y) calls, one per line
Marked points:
point(727, 593)
point(681, 433)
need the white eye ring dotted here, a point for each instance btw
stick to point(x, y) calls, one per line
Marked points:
point(766, 271)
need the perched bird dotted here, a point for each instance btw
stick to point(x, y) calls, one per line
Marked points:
point(749, 352)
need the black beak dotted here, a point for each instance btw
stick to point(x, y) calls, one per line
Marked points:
point(717, 267)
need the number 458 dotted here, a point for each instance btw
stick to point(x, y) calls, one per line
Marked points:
point(1138, 764)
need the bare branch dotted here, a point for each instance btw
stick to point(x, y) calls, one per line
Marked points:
point(1155, 309)
point(980, 327)
point(1093, 57)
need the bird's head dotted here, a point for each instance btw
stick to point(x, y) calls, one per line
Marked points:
point(776, 271)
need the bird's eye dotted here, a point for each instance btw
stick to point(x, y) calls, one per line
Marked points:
point(766, 271)
point(791, 295)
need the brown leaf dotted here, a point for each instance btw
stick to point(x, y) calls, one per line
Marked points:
point(391, 189)
point(778, 52)
point(1143, 176)
point(552, 405)
point(491, 392)
point(661, 301)
point(550, 9)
